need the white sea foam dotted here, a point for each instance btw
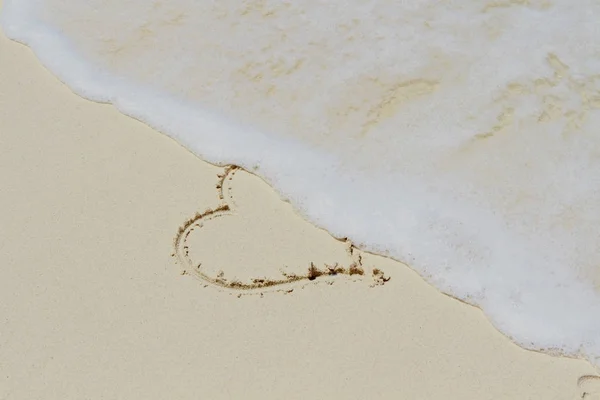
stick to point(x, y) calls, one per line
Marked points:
point(462, 137)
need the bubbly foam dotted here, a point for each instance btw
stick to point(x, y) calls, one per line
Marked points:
point(461, 137)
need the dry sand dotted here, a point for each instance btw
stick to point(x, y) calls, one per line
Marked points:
point(94, 306)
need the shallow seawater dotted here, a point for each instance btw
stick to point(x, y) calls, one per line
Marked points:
point(461, 137)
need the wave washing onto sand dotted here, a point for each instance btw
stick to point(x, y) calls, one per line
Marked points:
point(461, 137)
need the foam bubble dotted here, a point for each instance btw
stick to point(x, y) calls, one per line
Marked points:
point(459, 137)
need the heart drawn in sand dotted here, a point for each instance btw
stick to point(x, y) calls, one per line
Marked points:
point(253, 242)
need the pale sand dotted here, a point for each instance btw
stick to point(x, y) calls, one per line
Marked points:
point(93, 305)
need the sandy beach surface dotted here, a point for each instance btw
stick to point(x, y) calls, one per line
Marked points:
point(94, 304)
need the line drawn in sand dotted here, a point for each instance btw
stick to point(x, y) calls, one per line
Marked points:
point(589, 386)
point(304, 257)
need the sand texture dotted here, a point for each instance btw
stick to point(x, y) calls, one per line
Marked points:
point(105, 222)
